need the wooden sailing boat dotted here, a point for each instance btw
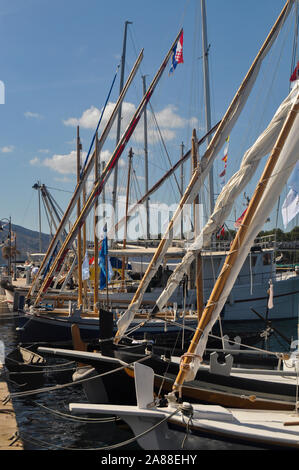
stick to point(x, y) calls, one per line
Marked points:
point(151, 423)
point(86, 209)
point(263, 428)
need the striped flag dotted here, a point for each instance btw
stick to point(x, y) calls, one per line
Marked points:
point(240, 219)
point(177, 54)
point(224, 159)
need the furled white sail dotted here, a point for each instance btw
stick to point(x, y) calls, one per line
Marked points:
point(207, 161)
point(284, 166)
point(231, 191)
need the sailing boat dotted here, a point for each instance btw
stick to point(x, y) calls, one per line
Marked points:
point(91, 324)
point(263, 428)
point(152, 423)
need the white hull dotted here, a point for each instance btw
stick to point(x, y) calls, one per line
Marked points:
point(265, 429)
point(241, 300)
point(238, 307)
point(166, 428)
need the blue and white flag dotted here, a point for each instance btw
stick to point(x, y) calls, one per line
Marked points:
point(177, 54)
point(103, 255)
point(85, 268)
point(290, 207)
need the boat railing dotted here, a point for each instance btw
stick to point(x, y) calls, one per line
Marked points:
point(267, 241)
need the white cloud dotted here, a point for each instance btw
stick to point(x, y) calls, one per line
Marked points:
point(29, 114)
point(66, 164)
point(168, 120)
point(64, 179)
point(88, 120)
point(63, 164)
point(7, 149)
point(35, 161)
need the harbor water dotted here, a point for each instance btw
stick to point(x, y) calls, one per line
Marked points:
point(44, 419)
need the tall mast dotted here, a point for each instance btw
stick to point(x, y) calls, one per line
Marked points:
point(146, 163)
point(79, 240)
point(96, 240)
point(130, 156)
point(182, 188)
point(122, 74)
point(39, 220)
point(205, 54)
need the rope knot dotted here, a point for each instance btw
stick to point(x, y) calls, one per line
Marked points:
point(186, 366)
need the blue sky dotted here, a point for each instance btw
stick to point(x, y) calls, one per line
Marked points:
point(57, 62)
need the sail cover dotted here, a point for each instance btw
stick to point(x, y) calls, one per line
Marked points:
point(286, 161)
point(230, 192)
point(206, 162)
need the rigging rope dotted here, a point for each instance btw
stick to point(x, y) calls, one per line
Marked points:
point(69, 384)
point(100, 120)
point(114, 446)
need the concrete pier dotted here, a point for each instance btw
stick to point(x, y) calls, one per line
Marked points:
point(8, 422)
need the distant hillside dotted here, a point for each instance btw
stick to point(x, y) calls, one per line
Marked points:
point(27, 242)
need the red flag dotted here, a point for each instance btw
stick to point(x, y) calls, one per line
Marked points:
point(221, 232)
point(240, 219)
point(295, 74)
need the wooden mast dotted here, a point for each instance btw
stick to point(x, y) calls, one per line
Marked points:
point(130, 156)
point(198, 261)
point(79, 242)
point(96, 240)
point(85, 296)
point(121, 84)
point(237, 243)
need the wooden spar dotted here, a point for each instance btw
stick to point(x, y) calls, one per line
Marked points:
point(206, 79)
point(103, 192)
point(198, 261)
point(84, 249)
point(194, 168)
point(163, 178)
point(79, 246)
point(199, 285)
point(130, 156)
point(121, 84)
point(96, 240)
point(182, 187)
point(86, 173)
point(146, 162)
point(104, 177)
point(238, 242)
point(154, 264)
